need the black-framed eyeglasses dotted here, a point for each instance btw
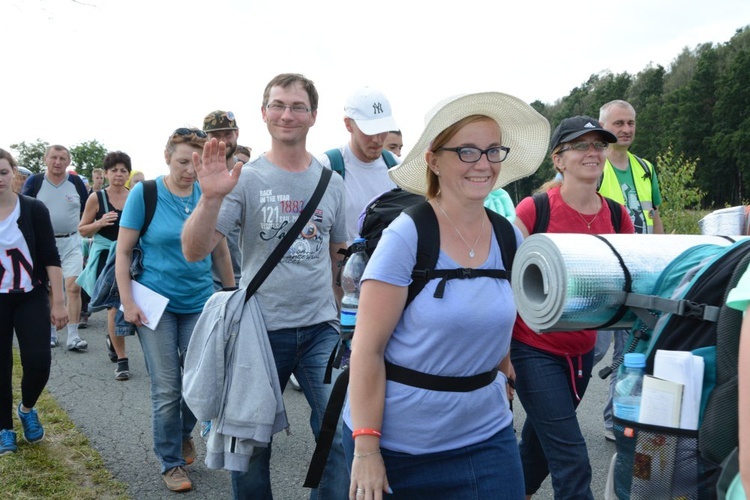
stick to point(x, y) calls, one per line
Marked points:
point(473, 155)
point(188, 131)
point(585, 145)
point(297, 109)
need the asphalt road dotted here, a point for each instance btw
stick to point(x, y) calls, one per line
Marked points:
point(116, 417)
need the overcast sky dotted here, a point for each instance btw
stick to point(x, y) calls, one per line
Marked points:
point(128, 72)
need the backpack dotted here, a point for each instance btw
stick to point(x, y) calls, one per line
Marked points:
point(337, 160)
point(35, 184)
point(686, 312)
point(541, 203)
point(378, 214)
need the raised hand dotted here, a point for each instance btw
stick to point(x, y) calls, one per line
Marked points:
point(214, 178)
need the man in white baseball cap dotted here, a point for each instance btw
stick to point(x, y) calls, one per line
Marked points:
point(362, 162)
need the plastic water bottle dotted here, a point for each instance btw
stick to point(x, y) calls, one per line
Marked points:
point(627, 397)
point(350, 278)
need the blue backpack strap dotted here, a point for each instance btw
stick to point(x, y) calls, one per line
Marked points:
point(149, 201)
point(389, 159)
point(337, 161)
point(541, 203)
point(34, 185)
point(83, 193)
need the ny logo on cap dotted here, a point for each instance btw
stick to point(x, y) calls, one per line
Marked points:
point(377, 108)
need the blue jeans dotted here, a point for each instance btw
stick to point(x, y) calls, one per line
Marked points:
point(304, 352)
point(488, 470)
point(551, 439)
point(164, 351)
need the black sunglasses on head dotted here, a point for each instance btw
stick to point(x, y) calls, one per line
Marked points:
point(188, 131)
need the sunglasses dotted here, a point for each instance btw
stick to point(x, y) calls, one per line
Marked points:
point(188, 131)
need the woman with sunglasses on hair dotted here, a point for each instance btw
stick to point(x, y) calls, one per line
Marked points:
point(554, 369)
point(447, 431)
point(187, 285)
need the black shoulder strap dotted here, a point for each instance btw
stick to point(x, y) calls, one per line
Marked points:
point(646, 170)
point(615, 213)
point(278, 252)
point(506, 238)
point(389, 159)
point(541, 203)
point(428, 244)
point(337, 161)
point(102, 198)
point(149, 201)
point(428, 251)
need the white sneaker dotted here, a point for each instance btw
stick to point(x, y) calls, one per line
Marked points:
point(77, 345)
point(293, 382)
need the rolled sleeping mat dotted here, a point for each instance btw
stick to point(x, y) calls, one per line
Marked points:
point(570, 282)
point(726, 221)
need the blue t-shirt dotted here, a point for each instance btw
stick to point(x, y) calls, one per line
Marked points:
point(188, 285)
point(466, 332)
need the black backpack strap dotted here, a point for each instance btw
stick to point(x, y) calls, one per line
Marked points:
point(541, 203)
point(337, 161)
point(327, 430)
point(149, 202)
point(647, 172)
point(615, 213)
point(102, 201)
point(428, 247)
point(506, 238)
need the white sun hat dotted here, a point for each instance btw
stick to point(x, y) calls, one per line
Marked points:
point(523, 130)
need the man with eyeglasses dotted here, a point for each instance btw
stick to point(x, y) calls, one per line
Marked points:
point(222, 125)
point(631, 181)
point(299, 299)
point(362, 161)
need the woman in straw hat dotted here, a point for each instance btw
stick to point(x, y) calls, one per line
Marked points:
point(554, 369)
point(401, 438)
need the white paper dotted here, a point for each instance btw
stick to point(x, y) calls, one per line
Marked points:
point(687, 369)
point(151, 303)
point(660, 402)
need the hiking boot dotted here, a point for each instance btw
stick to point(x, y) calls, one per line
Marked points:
point(7, 442)
point(77, 345)
point(122, 372)
point(32, 429)
point(110, 350)
point(609, 435)
point(177, 479)
point(188, 451)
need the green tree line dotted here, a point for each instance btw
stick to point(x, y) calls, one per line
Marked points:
point(697, 111)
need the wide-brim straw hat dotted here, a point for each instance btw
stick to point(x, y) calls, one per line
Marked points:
point(523, 130)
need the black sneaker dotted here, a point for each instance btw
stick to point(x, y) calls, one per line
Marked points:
point(83, 322)
point(122, 372)
point(111, 350)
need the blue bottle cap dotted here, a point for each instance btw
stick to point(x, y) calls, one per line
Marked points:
point(635, 360)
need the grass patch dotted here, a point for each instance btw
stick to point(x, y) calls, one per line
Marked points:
point(62, 465)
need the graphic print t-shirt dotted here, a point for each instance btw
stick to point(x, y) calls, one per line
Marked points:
point(265, 203)
point(16, 268)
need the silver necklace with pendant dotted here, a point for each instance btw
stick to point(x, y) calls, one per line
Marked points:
point(481, 230)
point(186, 203)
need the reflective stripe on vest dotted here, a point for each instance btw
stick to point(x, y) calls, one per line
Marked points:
point(611, 188)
